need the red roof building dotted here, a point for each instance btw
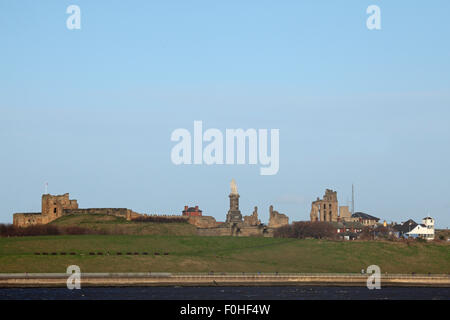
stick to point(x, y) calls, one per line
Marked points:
point(192, 212)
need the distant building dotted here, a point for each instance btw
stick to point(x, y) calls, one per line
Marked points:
point(411, 229)
point(424, 230)
point(348, 230)
point(192, 211)
point(327, 209)
point(402, 230)
point(365, 219)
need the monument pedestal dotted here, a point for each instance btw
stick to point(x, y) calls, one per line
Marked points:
point(234, 214)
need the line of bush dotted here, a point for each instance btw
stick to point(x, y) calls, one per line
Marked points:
point(306, 229)
point(9, 230)
point(159, 219)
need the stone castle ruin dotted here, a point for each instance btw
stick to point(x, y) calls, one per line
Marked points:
point(237, 225)
point(277, 219)
point(56, 206)
point(253, 219)
point(327, 209)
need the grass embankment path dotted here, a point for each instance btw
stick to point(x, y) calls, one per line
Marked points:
point(218, 254)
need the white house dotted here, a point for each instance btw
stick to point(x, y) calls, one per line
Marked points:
point(424, 230)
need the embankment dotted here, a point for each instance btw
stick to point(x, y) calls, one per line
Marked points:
point(169, 279)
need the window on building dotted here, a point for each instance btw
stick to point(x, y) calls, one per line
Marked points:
point(54, 210)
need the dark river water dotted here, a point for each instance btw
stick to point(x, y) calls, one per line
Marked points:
point(226, 293)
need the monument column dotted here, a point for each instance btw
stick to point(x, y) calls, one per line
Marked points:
point(234, 214)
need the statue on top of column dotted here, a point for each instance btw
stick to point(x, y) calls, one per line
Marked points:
point(233, 187)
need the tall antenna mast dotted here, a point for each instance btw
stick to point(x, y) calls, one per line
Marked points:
point(353, 199)
point(46, 188)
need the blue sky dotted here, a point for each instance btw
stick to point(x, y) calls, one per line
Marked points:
point(91, 111)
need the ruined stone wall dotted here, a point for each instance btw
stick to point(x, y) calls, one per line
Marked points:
point(325, 209)
point(254, 232)
point(268, 233)
point(28, 219)
point(277, 219)
point(253, 219)
point(203, 221)
point(344, 214)
point(132, 215)
point(118, 212)
point(54, 206)
point(314, 214)
point(166, 216)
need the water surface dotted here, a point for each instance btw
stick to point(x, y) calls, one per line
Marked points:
point(227, 293)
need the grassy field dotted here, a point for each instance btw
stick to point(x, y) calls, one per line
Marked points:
point(218, 254)
point(118, 225)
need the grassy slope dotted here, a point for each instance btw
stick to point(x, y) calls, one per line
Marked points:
point(119, 225)
point(219, 254)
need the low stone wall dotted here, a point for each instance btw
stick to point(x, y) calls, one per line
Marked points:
point(244, 231)
point(29, 219)
point(248, 231)
point(203, 221)
point(118, 212)
point(168, 279)
point(252, 232)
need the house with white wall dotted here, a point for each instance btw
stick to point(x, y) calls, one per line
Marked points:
point(424, 230)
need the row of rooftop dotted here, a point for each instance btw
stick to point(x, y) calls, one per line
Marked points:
point(327, 209)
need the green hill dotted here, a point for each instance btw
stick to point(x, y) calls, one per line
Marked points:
point(130, 246)
point(218, 254)
point(118, 226)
